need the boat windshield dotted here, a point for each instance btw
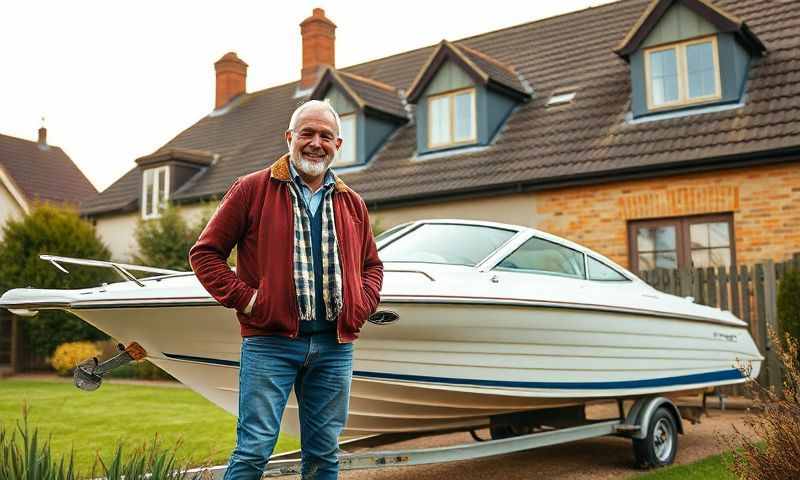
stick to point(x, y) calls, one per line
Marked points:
point(446, 243)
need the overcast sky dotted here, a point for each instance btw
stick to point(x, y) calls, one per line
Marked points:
point(116, 80)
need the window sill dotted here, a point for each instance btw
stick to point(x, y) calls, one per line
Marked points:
point(683, 111)
point(449, 152)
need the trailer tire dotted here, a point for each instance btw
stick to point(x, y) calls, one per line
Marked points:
point(659, 447)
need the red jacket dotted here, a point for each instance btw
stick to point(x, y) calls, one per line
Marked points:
point(256, 216)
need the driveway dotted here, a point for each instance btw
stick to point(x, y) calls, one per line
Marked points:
point(600, 458)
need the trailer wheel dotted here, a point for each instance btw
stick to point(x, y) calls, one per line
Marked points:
point(659, 447)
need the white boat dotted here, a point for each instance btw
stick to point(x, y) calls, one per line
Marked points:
point(493, 319)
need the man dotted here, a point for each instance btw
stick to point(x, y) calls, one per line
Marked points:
point(308, 276)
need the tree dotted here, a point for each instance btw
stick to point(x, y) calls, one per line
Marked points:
point(164, 242)
point(49, 229)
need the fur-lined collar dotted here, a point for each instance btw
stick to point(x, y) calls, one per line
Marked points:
point(280, 171)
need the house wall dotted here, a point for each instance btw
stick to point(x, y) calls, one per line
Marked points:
point(9, 208)
point(765, 202)
point(117, 231)
point(516, 209)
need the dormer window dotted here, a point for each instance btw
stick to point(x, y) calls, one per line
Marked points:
point(347, 154)
point(155, 191)
point(370, 111)
point(687, 56)
point(463, 98)
point(451, 118)
point(682, 73)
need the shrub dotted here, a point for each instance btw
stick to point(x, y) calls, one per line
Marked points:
point(775, 452)
point(164, 242)
point(789, 304)
point(68, 355)
point(49, 229)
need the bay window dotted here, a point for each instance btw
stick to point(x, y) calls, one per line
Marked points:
point(155, 191)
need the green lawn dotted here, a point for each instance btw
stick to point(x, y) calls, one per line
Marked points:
point(92, 422)
point(711, 468)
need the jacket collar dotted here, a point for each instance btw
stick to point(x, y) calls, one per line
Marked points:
point(280, 171)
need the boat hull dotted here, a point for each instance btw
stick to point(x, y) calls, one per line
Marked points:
point(452, 365)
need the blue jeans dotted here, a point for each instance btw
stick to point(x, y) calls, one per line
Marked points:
point(320, 369)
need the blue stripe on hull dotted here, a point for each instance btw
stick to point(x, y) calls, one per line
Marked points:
point(681, 380)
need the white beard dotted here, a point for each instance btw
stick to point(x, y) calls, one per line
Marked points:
point(312, 169)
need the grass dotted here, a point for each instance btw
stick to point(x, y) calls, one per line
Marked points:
point(94, 422)
point(711, 468)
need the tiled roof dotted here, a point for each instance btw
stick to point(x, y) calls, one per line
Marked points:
point(724, 21)
point(43, 173)
point(587, 139)
point(365, 92)
point(484, 69)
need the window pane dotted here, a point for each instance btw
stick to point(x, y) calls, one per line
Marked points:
point(601, 271)
point(700, 66)
point(464, 115)
point(647, 261)
point(700, 258)
point(347, 154)
point(543, 256)
point(439, 119)
point(147, 194)
point(162, 187)
point(720, 257)
point(665, 238)
point(666, 260)
point(719, 234)
point(699, 235)
point(645, 239)
point(664, 76)
point(446, 243)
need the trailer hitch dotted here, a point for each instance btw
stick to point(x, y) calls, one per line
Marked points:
point(89, 373)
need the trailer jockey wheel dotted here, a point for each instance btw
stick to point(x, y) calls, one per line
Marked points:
point(659, 447)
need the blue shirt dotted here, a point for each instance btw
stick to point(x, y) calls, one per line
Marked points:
point(312, 200)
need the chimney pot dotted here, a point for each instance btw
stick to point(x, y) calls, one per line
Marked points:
point(231, 78)
point(319, 37)
point(42, 137)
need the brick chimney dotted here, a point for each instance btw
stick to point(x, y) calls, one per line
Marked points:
point(42, 137)
point(231, 78)
point(319, 36)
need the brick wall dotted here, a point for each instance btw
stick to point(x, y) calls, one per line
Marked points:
point(765, 202)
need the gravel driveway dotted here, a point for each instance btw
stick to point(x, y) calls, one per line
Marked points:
point(600, 458)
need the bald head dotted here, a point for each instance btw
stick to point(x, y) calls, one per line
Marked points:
point(315, 105)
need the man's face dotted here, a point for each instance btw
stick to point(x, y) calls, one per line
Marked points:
point(314, 141)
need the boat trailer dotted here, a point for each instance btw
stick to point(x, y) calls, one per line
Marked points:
point(653, 423)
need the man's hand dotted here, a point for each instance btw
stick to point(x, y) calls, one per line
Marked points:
point(249, 307)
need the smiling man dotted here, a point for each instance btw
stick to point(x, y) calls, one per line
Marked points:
point(308, 276)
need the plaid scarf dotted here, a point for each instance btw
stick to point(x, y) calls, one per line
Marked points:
point(304, 259)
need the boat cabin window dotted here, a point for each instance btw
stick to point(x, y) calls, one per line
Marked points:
point(542, 256)
point(600, 271)
point(388, 233)
point(446, 243)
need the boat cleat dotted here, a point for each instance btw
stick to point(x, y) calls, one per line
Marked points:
point(88, 374)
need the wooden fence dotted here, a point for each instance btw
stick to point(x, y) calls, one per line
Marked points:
point(749, 292)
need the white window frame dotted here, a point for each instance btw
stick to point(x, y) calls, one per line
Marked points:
point(154, 195)
point(683, 74)
point(452, 119)
point(340, 161)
